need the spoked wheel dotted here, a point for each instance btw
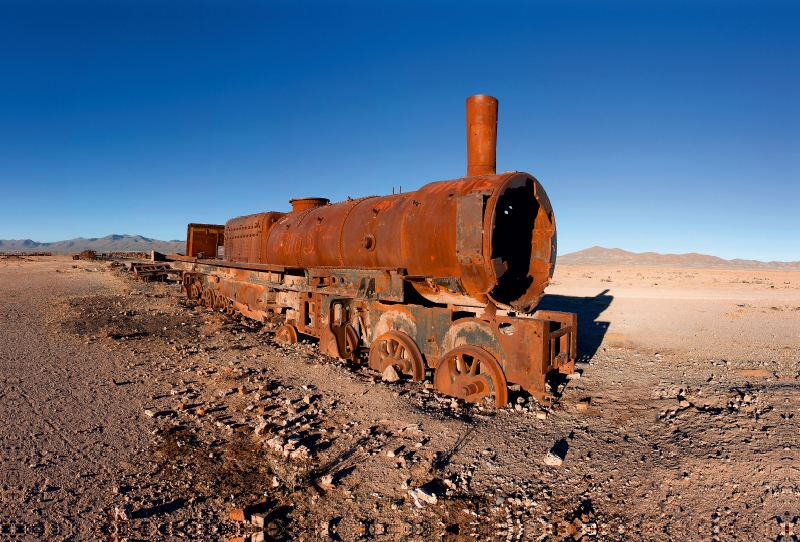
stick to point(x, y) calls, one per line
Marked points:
point(471, 373)
point(208, 298)
point(329, 343)
point(192, 287)
point(220, 301)
point(397, 349)
point(286, 334)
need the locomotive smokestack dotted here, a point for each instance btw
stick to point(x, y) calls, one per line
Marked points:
point(481, 135)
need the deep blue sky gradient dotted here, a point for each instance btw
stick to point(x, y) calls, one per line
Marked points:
point(671, 127)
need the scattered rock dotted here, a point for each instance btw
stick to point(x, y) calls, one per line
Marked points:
point(422, 497)
point(276, 444)
point(426, 495)
point(301, 453)
point(553, 460)
point(390, 374)
point(261, 428)
point(122, 513)
point(326, 482)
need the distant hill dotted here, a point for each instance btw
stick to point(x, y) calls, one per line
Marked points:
point(617, 256)
point(109, 243)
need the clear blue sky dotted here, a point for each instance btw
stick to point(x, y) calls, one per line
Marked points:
point(671, 127)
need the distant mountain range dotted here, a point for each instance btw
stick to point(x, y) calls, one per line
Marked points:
point(617, 256)
point(590, 256)
point(109, 243)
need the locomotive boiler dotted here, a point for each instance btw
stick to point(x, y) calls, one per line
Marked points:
point(442, 282)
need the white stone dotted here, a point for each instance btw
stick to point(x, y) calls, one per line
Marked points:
point(390, 374)
point(300, 453)
point(552, 460)
point(276, 444)
point(425, 495)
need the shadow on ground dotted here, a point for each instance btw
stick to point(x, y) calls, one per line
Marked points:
point(590, 330)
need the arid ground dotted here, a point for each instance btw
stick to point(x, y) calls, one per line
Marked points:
point(129, 414)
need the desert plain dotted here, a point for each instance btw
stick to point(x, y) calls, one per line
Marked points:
point(130, 414)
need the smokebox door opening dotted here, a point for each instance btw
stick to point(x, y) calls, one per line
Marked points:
point(515, 216)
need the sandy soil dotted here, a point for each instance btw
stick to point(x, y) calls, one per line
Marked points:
point(130, 414)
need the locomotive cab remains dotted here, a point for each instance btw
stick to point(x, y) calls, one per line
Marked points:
point(439, 283)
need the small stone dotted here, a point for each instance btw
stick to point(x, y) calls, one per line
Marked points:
point(242, 390)
point(307, 399)
point(149, 413)
point(541, 415)
point(552, 460)
point(122, 513)
point(237, 514)
point(200, 411)
point(582, 405)
point(747, 398)
point(684, 403)
point(261, 428)
point(326, 482)
point(301, 453)
point(424, 495)
point(574, 376)
point(275, 443)
point(390, 374)
point(181, 406)
point(258, 519)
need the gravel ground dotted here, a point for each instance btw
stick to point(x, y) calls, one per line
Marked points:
point(131, 414)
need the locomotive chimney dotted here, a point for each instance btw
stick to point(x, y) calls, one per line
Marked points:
point(481, 135)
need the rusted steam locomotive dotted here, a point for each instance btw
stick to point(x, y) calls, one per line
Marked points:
point(444, 278)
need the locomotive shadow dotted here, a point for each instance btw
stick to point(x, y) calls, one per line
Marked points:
point(591, 330)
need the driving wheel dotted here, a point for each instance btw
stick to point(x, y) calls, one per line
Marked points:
point(471, 373)
point(286, 334)
point(397, 349)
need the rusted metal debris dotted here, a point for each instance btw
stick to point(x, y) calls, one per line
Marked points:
point(103, 256)
point(151, 272)
point(127, 255)
point(90, 255)
point(23, 254)
point(444, 280)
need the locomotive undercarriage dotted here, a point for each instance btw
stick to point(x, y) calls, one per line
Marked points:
point(376, 317)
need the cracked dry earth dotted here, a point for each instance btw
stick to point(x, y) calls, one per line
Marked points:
point(129, 414)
